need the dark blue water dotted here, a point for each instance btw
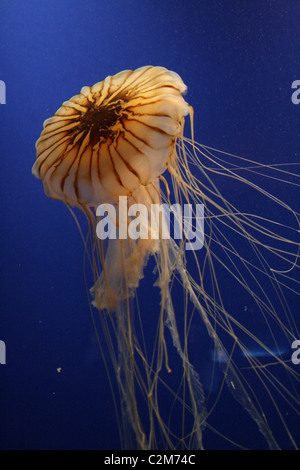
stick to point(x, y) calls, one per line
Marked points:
point(238, 59)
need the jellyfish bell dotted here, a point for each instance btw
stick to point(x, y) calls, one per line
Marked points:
point(113, 142)
point(112, 139)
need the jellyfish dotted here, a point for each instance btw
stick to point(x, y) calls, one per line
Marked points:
point(118, 153)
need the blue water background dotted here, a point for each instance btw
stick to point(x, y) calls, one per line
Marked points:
point(238, 59)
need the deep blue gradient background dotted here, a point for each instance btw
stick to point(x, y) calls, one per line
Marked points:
point(238, 58)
